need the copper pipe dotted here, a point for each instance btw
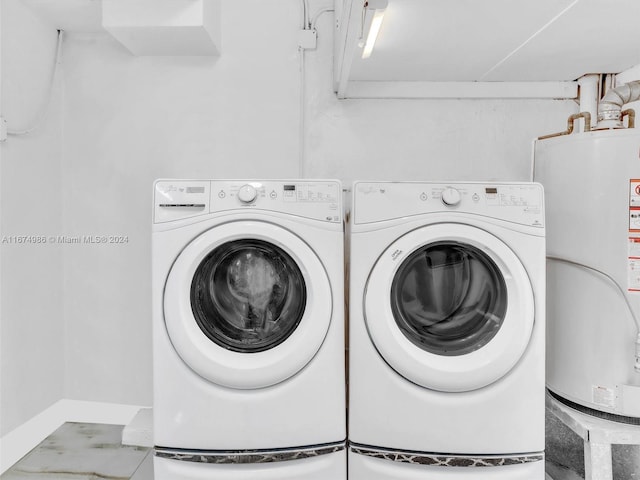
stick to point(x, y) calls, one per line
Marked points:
point(631, 114)
point(570, 125)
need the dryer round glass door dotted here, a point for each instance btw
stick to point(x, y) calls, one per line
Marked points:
point(247, 304)
point(449, 298)
point(449, 307)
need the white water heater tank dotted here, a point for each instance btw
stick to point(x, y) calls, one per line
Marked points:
point(592, 192)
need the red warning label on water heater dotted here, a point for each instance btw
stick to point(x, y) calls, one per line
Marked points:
point(634, 205)
point(633, 264)
point(634, 220)
point(633, 245)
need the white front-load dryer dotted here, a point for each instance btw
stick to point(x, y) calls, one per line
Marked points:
point(446, 336)
point(248, 330)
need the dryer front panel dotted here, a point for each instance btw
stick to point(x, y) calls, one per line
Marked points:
point(247, 304)
point(449, 307)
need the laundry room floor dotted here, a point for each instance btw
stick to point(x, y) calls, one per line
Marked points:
point(84, 451)
point(87, 451)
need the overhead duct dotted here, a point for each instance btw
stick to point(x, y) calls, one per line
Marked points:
point(610, 107)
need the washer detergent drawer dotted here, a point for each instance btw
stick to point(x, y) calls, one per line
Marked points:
point(331, 466)
point(362, 467)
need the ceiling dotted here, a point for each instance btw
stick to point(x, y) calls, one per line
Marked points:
point(491, 41)
point(454, 48)
point(149, 27)
point(78, 16)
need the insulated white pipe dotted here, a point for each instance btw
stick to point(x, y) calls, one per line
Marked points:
point(589, 87)
point(610, 107)
point(620, 290)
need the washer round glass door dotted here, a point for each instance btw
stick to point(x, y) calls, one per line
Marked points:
point(247, 310)
point(449, 307)
point(248, 295)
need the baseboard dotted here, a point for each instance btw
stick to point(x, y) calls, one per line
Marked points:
point(20, 441)
point(139, 431)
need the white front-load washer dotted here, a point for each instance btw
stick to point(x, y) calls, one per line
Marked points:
point(248, 330)
point(446, 335)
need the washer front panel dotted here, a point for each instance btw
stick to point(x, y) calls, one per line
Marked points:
point(449, 307)
point(269, 272)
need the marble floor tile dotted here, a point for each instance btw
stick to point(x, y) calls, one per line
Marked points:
point(559, 472)
point(145, 470)
point(80, 451)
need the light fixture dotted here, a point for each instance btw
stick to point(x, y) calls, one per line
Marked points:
point(372, 21)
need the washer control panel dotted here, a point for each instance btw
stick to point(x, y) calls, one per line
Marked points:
point(314, 199)
point(521, 203)
point(247, 193)
point(451, 196)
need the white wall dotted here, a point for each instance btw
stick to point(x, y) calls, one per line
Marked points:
point(128, 120)
point(132, 119)
point(31, 317)
point(420, 139)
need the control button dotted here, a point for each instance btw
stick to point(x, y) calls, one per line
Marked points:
point(423, 196)
point(476, 197)
point(247, 193)
point(273, 194)
point(451, 196)
point(221, 194)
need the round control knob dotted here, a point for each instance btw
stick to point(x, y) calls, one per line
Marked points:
point(247, 193)
point(451, 197)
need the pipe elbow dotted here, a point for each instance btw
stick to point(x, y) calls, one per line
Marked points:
point(610, 107)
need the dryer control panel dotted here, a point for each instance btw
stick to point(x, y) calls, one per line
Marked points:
point(313, 199)
point(521, 203)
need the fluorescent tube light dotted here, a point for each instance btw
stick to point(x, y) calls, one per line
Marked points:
point(374, 14)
